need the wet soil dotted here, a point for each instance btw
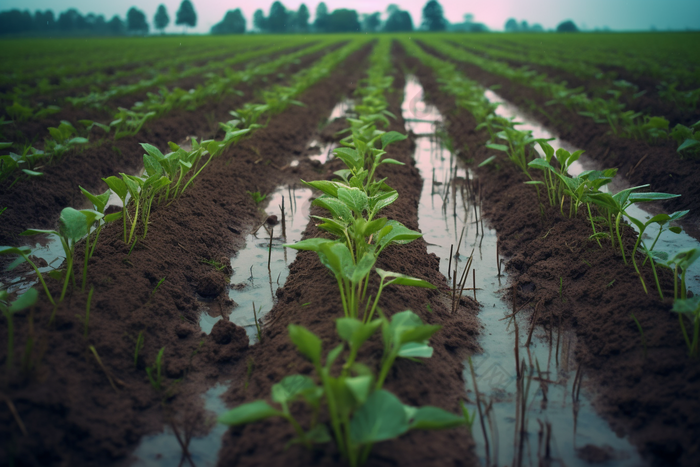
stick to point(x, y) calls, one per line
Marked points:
point(73, 413)
point(649, 395)
point(639, 162)
point(650, 103)
point(310, 298)
point(36, 202)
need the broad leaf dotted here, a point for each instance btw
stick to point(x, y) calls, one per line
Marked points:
point(248, 413)
point(380, 418)
point(307, 343)
point(291, 387)
point(433, 418)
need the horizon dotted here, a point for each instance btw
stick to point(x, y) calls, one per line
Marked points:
point(619, 15)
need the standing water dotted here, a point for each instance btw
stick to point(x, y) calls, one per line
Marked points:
point(450, 210)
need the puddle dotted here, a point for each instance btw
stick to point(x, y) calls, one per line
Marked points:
point(444, 213)
point(341, 109)
point(668, 242)
point(163, 450)
point(251, 281)
point(324, 151)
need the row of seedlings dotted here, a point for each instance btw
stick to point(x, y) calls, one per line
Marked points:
point(361, 412)
point(584, 192)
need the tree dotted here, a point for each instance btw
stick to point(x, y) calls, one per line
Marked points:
point(433, 19)
point(343, 20)
point(161, 19)
point(567, 26)
point(321, 22)
point(371, 22)
point(44, 21)
point(512, 25)
point(277, 19)
point(398, 21)
point(301, 22)
point(116, 26)
point(233, 23)
point(186, 15)
point(136, 21)
point(259, 20)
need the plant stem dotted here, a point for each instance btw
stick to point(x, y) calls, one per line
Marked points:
point(619, 237)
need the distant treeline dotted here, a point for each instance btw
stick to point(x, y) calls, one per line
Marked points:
point(279, 20)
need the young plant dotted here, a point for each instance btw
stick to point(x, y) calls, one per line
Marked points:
point(361, 412)
point(8, 309)
point(257, 196)
point(155, 373)
point(689, 308)
point(73, 226)
point(23, 253)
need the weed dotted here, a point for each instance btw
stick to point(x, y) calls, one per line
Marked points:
point(215, 264)
point(155, 373)
point(139, 347)
point(160, 282)
point(257, 196)
point(641, 332)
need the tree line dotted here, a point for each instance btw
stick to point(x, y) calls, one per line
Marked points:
point(279, 20)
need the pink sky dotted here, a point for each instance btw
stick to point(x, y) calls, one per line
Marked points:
point(617, 14)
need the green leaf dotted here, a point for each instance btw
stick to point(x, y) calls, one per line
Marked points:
point(487, 161)
point(248, 413)
point(329, 188)
point(398, 233)
point(99, 201)
point(688, 306)
point(391, 137)
point(24, 301)
point(30, 232)
point(291, 387)
point(336, 207)
point(78, 140)
point(355, 332)
point(363, 267)
point(389, 160)
point(434, 418)
point(382, 200)
point(5, 145)
point(380, 418)
point(115, 216)
point(350, 156)
point(540, 164)
point(354, 198)
point(11, 250)
point(548, 150)
point(687, 144)
point(307, 343)
point(152, 165)
point(333, 355)
point(402, 279)
point(32, 173)
point(360, 387)
point(338, 258)
point(310, 244)
point(72, 224)
point(374, 226)
point(498, 147)
point(415, 350)
point(648, 197)
point(117, 185)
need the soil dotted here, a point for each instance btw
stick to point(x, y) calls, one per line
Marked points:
point(36, 202)
point(649, 103)
point(414, 383)
point(64, 397)
point(649, 395)
point(637, 161)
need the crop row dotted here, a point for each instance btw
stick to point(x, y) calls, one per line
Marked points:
point(159, 64)
point(34, 59)
point(660, 56)
point(128, 122)
point(355, 400)
point(605, 211)
point(611, 112)
point(166, 176)
point(361, 412)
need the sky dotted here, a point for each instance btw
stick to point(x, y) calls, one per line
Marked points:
point(587, 14)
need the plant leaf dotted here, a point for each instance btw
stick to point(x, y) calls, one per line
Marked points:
point(434, 418)
point(248, 413)
point(307, 343)
point(380, 418)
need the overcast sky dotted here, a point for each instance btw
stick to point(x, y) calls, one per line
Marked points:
point(589, 14)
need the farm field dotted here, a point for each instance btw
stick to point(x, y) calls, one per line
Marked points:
point(376, 249)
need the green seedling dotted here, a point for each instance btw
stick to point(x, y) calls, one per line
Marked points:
point(155, 373)
point(63, 138)
point(641, 332)
point(361, 413)
point(617, 204)
point(86, 319)
point(23, 253)
point(689, 308)
point(8, 309)
point(257, 196)
point(139, 347)
point(213, 263)
point(160, 282)
point(661, 220)
point(257, 323)
point(73, 226)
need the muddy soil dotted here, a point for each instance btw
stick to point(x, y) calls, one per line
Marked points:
point(77, 411)
point(310, 298)
point(639, 162)
point(650, 103)
point(649, 395)
point(36, 202)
